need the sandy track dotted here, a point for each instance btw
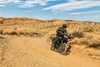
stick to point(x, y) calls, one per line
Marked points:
point(35, 52)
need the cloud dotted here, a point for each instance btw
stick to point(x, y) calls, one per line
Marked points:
point(77, 13)
point(3, 3)
point(9, 1)
point(31, 3)
point(73, 5)
point(24, 3)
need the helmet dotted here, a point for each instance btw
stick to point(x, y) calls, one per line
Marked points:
point(64, 25)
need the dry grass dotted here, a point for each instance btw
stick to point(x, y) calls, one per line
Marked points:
point(17, 51)
point(89, 40)
point(19, 32)
point(78, 34)
point(94, 41)
point(35, 27)
point(88, 29)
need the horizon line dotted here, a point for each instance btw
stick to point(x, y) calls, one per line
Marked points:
point(48, 19)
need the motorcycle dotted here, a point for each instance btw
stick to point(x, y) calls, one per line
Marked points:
point(61, 46)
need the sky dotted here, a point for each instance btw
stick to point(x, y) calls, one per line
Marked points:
point(83, 10)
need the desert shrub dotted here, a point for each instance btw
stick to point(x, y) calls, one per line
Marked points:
point(88, 29)
point(6, 32)
point(94, 45)
point(37, 34)
point(30, 33)
point(78, 34)
point(15, 28)
point(93, 41)
point(14, 33)
point(1, 37)
point(1, 31)
point(22, 33)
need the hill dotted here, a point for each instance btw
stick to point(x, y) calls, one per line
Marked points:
point(25, 42)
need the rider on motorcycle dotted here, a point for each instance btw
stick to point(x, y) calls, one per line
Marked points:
point(61, 32)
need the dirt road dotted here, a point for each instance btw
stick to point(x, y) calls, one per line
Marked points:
point(35, 52)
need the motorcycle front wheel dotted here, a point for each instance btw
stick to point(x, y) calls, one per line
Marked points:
point(63, 48)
